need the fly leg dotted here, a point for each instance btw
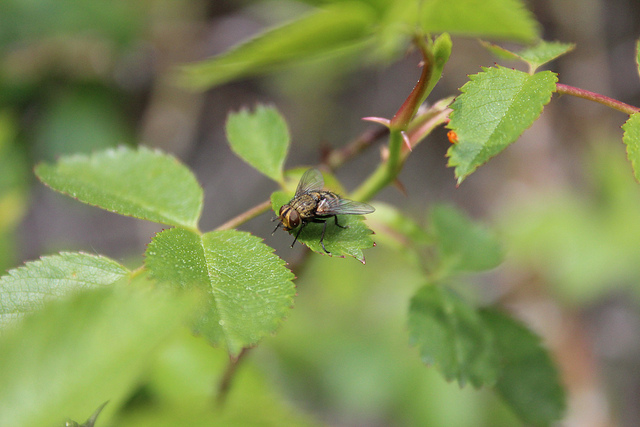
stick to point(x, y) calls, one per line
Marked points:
point(298, 233)
point(335, 218)
point(277, 226)
point(324, 228)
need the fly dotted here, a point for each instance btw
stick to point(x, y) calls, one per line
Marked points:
point(313, 204)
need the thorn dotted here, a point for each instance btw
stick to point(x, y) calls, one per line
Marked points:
point(380, 120)
point(405, 138)
point(400, 186)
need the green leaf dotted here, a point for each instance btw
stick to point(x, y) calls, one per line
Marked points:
point(339, 241)
point(462, 244)
point(528, 380)
point(338, 26)
point(27, 288)
point(495, 107)
point(451, 335)
point(536, 56)
point(260, 138)
point(141, 183)
point(249, 290)
point(69, 358)
point(631, 138)
point(504, 19)
point(441, 52)
point(393, 34)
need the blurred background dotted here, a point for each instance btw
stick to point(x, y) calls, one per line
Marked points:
point(79, 77)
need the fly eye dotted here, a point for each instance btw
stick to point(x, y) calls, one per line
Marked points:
point(294, 218)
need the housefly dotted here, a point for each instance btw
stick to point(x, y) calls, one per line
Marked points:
point(313, 204)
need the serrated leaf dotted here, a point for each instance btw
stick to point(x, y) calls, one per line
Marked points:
point(631, 139)
point(249, 289)
point(450, 334)
point(27, 288)
point(261, 138)
point(496, 106)
point(528, 380)
point(69, 358)
point(536, 56)
point(338, 26)
point(462, 244)
point(504, 19)
point(339, 241)
point(140, 183)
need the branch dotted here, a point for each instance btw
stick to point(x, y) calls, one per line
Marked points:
point(338, 156)
point(246, 216)
point(596, 97)
point(225, 382)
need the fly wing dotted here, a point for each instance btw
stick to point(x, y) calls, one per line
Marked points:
point(311, 181)
point(343, 207)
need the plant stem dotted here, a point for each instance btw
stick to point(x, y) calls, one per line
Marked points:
point(408, 109)
point(385, 173)
point(225, 382)
point(337, 157)
point(246, 216)
point(596, 97)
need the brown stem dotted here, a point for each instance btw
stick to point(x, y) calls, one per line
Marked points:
point(246, 216)
point(225, 383)
point(408, 109)
point(596, 97)
point(339, 156)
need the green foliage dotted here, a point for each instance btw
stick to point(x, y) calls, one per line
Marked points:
point(359, 25)
point(27, 288)
point(77, 353)
point(581, 245)
point(335, 27)
point(141, 183)
point(397, 224)
point(249, 289)
point(179, 387)
point(261, 139)
point(34, 20)
point(450, 334)
point(463, 245)
point(631, 138)
point(495, 107)
point(528, 380)
point(76, 336)
point(441, 52)
point(535, 56)
point(504, 19)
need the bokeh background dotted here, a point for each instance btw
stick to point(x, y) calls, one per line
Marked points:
point(79, 77)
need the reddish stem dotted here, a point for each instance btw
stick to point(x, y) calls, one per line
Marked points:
point(408, 109)
point(596, 97)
